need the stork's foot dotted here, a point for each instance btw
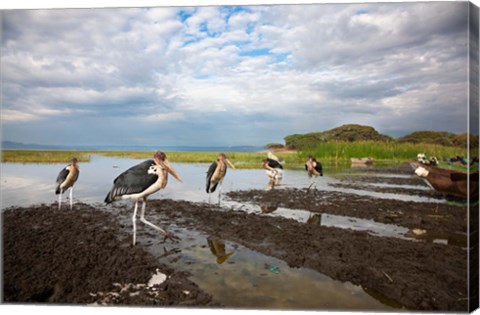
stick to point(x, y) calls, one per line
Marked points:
point(171, 236)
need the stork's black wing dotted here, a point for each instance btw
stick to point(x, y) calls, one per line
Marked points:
point(61, 178)
point(134, 180)
point(210, 172)
point(318, 167)
point(274, 164)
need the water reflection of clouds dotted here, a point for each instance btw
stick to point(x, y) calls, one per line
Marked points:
point(18, 190)
point(15, 182)
point(244, 279)
point(304, 216)
point(96, 179)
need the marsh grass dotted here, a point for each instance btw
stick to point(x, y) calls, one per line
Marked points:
point(38, 156)
point(381, 151)
point(329, 153)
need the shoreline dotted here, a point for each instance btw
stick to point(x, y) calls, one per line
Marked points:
point(292, 159)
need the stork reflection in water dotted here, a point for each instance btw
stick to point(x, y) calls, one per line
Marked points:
point(217, 247)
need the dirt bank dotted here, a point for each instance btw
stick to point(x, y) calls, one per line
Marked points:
point(80, 257)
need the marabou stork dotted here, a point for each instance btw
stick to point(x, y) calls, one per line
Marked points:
point(314, 169)
point(66, 179)
point(273, 169)
point(139, 182)
point(216, 173)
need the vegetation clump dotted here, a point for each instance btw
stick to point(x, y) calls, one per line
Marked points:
point(273, 146)
point(344, 133)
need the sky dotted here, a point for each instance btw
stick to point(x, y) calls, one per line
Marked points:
point(231, 75)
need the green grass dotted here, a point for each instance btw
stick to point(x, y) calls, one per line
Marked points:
point(329, 153)
point(37, 156)
point(240, 159)
point(381, 151)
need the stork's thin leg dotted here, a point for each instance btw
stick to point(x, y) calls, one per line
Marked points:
point(142, 218)
point(219, 193)
point(134, 219)
point(315, 185)
point(71, 198)
point(209, 198)
point(312, 181)
point(60, 200)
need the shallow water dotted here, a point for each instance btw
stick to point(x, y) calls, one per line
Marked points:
point(246, 278)
point(28, 184)
point(239, 277)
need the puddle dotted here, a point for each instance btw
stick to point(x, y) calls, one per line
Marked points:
point(239, 277)
point(385, 185)
point(385, 175)
point(323, 219)
point(346, 222)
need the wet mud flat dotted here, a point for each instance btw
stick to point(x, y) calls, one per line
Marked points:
point(83, 257)
point(436, 218)
point(413, 275)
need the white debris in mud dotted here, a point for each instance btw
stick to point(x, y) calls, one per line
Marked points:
point(419, 231)
point(157, 278)
point(109, 298)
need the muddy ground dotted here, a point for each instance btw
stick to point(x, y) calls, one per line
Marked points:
point(53, 256)
point(83, 257)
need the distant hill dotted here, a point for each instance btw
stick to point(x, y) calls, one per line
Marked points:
point(348, 133)
point(22, 146)
point(352, 132)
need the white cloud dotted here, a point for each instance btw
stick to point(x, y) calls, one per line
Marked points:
point(162, 117)
point(295, 63)
point(11, 115)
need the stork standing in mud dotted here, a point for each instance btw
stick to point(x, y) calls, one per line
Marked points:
point(216, 173)
point(66, 179)
point(273, 168)
point(314, 169)
point(139, 182)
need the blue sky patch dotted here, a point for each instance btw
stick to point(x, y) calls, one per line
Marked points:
point(361, 11)
point(255, 52)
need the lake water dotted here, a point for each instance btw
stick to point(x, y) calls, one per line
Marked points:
point(28, 184)
point(247, 278)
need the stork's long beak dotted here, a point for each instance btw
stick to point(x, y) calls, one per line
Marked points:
point(309, 166)
point(171, 170)
point(230, 164)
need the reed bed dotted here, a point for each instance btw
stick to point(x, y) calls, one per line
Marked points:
point(382, 151)
point(329, 153)
point(40, 156)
